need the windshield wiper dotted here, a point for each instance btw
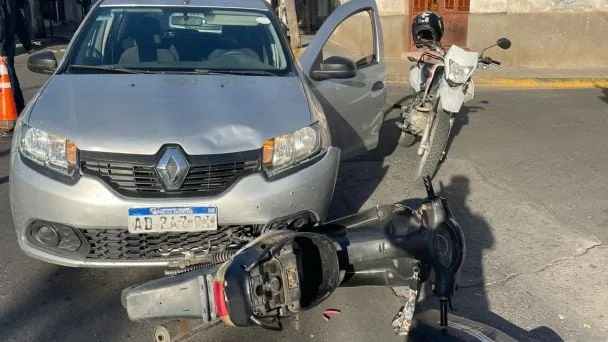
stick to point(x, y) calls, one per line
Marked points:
point(110, 68)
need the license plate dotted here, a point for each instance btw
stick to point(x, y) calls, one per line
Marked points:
point(165, 220)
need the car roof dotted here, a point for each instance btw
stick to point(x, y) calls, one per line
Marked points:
point(245, 4)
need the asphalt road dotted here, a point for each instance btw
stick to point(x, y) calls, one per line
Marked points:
point(526, 178)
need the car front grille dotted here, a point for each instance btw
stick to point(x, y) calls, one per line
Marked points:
point(119, 244)
point(136, 175)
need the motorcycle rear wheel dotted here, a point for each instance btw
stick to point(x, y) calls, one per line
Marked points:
point(438, 140)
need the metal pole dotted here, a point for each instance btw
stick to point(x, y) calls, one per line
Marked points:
point(56, 10)
point(51, 19)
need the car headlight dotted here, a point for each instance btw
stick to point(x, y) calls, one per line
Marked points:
point(458, 73)
point(283, 152)
point(51, 151)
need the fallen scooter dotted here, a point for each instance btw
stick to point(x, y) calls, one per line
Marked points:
point(285, 272)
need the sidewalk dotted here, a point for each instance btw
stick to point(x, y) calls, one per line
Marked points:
point(518, 77)
point(62, 33)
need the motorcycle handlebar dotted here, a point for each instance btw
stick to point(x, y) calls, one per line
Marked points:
point(489, 60)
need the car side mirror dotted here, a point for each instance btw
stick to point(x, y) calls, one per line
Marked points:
point(42, 62)
point(335, 67)
point(503, 43)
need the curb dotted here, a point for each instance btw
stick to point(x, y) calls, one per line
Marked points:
point(505, 82)
point(524, 82)
point(43, 44)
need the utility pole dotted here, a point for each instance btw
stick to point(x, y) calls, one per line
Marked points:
point(292, 24)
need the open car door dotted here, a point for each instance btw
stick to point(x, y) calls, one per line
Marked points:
point(344, 66)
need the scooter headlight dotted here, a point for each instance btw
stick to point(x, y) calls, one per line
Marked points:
point(457, 73)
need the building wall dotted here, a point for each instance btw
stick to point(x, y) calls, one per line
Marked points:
point(354, 32)
point(544, 33)
point(73, 11)
point(395, 26)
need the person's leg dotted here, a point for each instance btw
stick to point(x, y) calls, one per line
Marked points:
point(16, 87)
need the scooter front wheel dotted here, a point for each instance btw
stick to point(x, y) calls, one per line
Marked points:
point(438, 140)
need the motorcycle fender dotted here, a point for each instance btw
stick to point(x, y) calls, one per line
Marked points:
point(452, 98)
point(470, 92)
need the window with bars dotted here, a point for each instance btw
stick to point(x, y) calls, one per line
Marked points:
point(441, 5)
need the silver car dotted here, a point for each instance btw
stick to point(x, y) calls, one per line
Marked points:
point(175, 128)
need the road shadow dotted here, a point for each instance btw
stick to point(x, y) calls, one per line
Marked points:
point(462, 119)
point(605, 94)
point(360, 175)
point(471, 300)
point(70, 304)
point(4, 179)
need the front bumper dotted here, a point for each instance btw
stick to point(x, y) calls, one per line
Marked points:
point(92, 205)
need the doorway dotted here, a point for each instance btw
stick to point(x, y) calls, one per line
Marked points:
point(455, 15)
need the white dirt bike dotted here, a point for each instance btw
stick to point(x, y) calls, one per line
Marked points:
point(440, 89)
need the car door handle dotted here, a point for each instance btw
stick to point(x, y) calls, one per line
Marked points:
point(378, 86)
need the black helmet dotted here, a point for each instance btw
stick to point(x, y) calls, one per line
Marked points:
point(427, 26)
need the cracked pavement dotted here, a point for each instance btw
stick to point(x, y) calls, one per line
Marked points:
point(542, 269)
point(525, 175)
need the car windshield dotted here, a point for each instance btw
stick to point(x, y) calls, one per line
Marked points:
point(179, 39)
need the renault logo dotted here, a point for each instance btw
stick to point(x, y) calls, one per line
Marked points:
point(172, 168)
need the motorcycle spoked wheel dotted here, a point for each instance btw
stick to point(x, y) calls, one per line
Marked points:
point(438, 140)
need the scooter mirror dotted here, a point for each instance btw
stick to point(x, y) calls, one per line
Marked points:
point(504, 43)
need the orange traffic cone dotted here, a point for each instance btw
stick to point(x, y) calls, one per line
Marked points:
point(8, 110)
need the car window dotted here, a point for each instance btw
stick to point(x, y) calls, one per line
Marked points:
point(177, 39)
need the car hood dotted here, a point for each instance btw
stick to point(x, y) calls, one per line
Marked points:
point(205, 114)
